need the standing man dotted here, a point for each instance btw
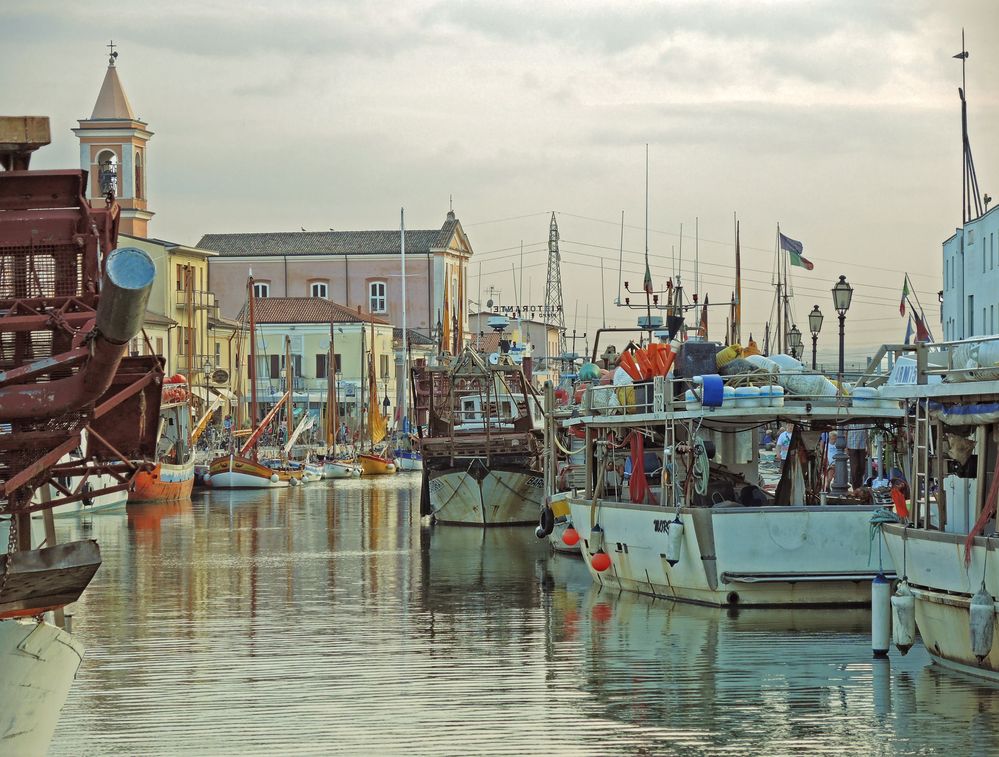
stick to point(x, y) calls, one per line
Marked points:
point(784, 443)
point(856, 450)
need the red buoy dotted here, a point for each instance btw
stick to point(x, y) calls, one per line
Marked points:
point(600, 561)
point(570, 537)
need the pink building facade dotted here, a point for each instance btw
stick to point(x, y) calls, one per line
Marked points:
point(358, 269)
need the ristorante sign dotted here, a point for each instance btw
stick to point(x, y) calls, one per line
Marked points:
point(541, 310)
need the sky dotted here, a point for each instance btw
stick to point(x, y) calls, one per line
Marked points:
point(837, 119)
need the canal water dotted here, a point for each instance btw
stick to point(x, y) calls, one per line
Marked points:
point(326, 619)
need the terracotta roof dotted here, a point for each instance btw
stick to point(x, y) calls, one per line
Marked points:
point(156, 319)
point(329, 242)
point(307, 310)
point(112, 102)
point(413, 337)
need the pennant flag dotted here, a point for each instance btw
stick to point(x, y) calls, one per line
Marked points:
point(704, 318)
point(922, 333)
point(908, 331)
point(794, 248)
point(905, 293)
point(647, 283)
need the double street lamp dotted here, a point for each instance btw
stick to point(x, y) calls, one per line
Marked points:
point(794, 341)
point(842, 295)
point(815, 326)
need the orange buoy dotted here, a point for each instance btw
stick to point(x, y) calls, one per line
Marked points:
point(570, 537)
point(600, 561)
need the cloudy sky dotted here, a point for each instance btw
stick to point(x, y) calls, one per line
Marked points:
point(838, 119)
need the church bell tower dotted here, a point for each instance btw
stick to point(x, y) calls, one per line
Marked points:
point(113, 150)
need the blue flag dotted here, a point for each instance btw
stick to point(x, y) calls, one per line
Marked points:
point(908, 331)
point(794, 248)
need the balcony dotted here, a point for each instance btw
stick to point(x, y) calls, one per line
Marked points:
point(200, 299)
point(281, 384)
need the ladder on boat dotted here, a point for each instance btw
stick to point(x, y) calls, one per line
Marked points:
point(922, 444)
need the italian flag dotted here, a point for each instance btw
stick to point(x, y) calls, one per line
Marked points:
point(905, 293)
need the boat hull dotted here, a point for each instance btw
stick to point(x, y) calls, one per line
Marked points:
point(943, 586)
point(409, 462)
point(38, 663)
point(340, 470)
point(477, 495)
point(164, 483)
point(740, 556)
point(241, 473)
point(563, 521)
point(373, 465)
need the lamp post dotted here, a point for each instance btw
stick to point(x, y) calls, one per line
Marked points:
point(842, 295)
point(794, 341)
point(815, 326)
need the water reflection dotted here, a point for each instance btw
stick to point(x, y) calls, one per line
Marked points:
point(326, 618)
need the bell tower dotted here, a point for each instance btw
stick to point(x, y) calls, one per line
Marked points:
point(113, 150)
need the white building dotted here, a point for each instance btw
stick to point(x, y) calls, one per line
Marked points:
point(971, 279)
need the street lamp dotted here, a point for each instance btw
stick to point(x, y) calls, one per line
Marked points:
point(815, 326)
point(794, 341)
point(842, 294)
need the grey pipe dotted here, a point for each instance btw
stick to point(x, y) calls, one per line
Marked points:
point(128, 280)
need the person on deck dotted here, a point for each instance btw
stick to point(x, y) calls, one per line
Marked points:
point(784, 442)
point(856, 450)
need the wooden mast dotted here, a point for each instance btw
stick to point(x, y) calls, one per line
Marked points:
point(289, 377)
point(253, 362)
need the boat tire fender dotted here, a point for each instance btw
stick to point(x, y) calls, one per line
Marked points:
point(546, 523)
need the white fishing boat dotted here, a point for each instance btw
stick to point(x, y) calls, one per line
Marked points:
point(341, 469)
point(694, 523)
point(944, 545)
point(408, 460)
point(482, 460)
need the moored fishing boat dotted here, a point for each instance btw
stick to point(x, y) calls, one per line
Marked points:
point(482, 458)
point(375, 465)
point(693, 523)
point(946, 532)
point(408, 460)
point(172, 477)
point(341, 469)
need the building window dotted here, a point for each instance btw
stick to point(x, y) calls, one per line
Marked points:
point(337, 361)
point(140, 191)
point(383, 361)
point(159, 345)
point(376, 297)
point(275, 366)
point(319, 289)
point(321, 361)
point(261, 289)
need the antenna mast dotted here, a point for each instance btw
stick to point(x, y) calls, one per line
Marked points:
point(553, 286)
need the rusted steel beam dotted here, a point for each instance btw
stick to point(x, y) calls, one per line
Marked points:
point(132, 389)
point(77, 497)
point(41, 322)
point(45, 365)
point(106, 443)
point(35, 469)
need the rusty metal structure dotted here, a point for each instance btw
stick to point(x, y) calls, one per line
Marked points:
point(73, 405)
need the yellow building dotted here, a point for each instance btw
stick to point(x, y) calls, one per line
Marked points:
point(309, 324)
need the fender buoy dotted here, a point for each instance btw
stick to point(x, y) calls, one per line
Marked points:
point(87, 500)
point(570, 537)
point(600, 562)
point(546, 523)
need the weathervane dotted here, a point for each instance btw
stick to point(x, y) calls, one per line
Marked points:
point(113, 54)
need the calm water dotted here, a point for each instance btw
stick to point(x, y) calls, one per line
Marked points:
point(325, 619)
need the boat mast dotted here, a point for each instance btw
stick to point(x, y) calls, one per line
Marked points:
point(289, 378)
point(737, 315)
point(253, 361)
point(332, 415)
point(363, 376)
point(404, 407)
point(780, 315)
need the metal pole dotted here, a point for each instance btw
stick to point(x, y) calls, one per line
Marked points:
point(403, 408)
point(815, 339)
point(842, 346)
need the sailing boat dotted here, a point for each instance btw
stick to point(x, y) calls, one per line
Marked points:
point(333, 466)
point(172, 477)
point(373, 464)
point(242, 470)
point(406, 458)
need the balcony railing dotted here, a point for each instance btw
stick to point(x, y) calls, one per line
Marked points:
point(200, 299)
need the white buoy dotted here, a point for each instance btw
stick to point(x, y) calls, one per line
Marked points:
point(880, 616)
point(981, 620)
point(295, 481)
point(540, 532)
point(903, 617)
point(274, 478)
point(674, 541)
point(207, 478)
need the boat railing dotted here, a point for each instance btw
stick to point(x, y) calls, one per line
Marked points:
point(976, 358)
point(758, 391)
